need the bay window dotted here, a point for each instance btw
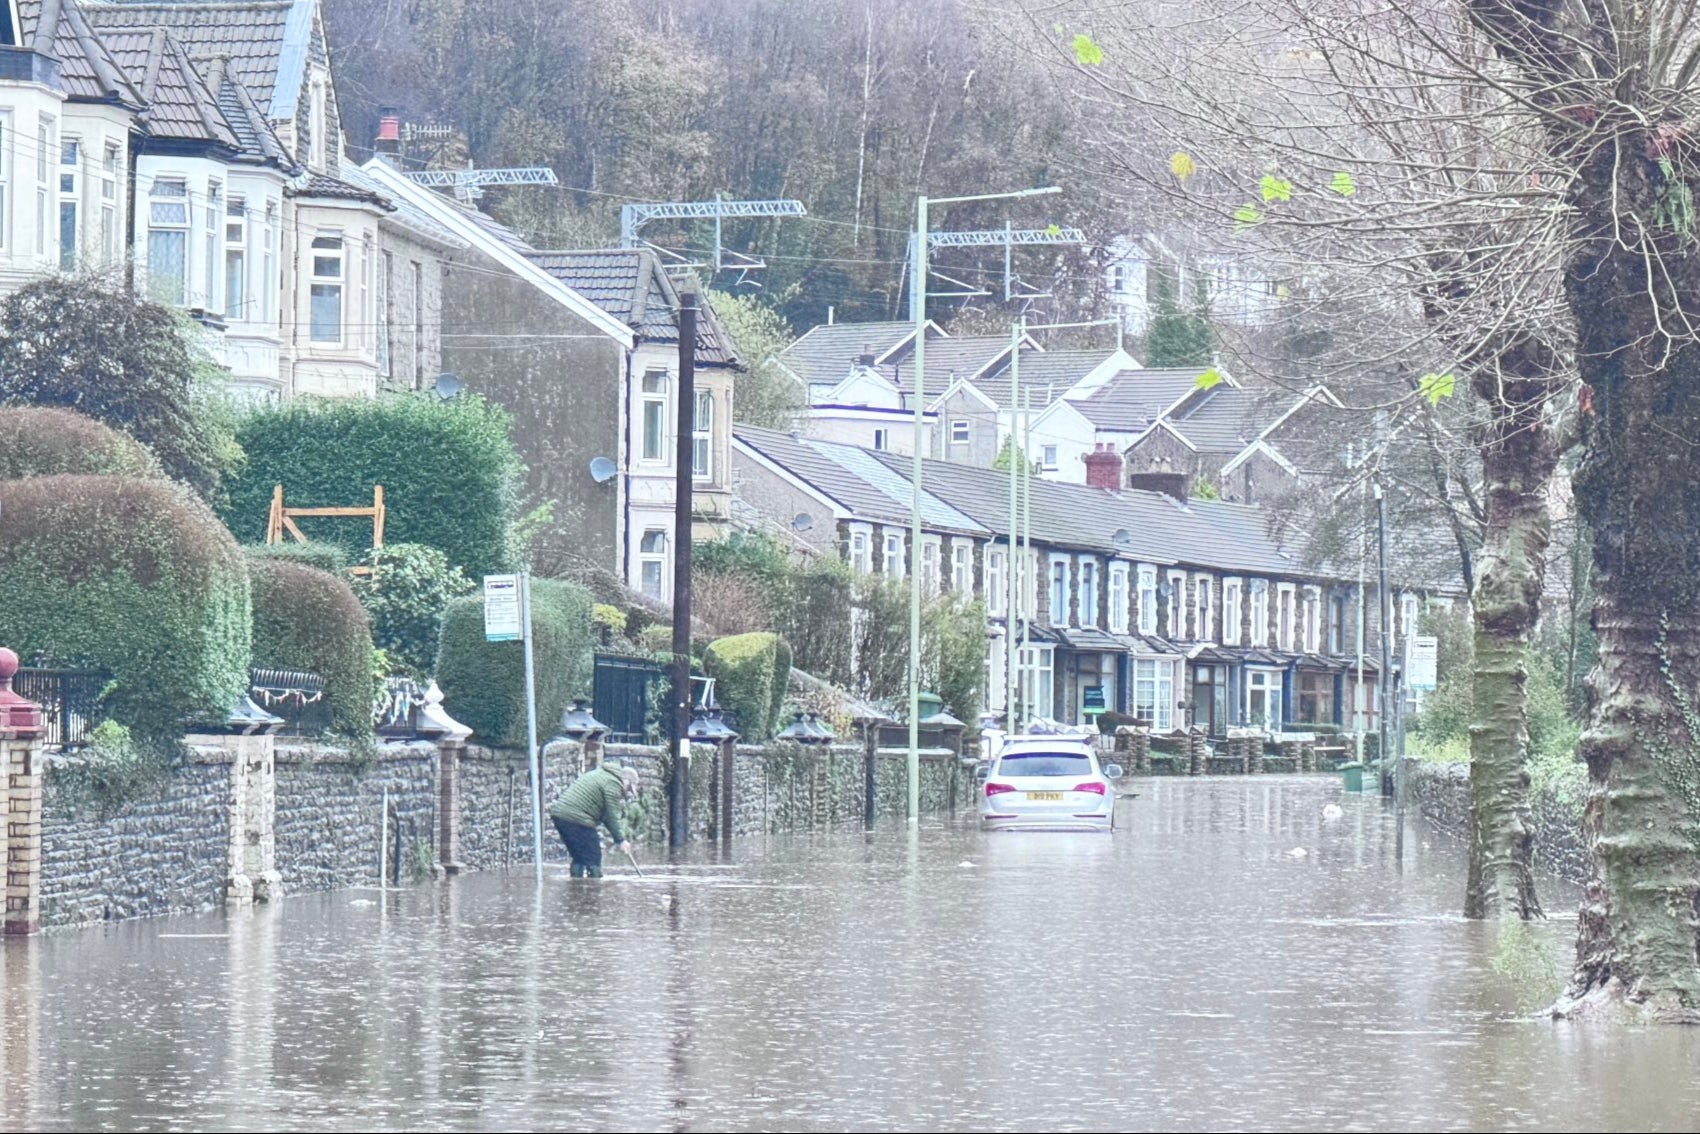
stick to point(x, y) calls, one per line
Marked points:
point(70, 201)
point(1154, 692)
point(325, 310)
point(213, 216)
point(236, 259)
point(168, 240)
point(109, 202)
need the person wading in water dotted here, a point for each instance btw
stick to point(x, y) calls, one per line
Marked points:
point(594, 798)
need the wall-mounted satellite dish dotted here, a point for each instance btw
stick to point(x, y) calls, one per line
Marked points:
point(447, 386)
point(602, 469)
point(803, 522)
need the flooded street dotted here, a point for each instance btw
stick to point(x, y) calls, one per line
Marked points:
point(1193, 970)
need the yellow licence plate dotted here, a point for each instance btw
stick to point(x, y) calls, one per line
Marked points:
point(1044, 797)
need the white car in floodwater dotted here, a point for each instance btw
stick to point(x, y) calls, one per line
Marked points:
point(1048, 783)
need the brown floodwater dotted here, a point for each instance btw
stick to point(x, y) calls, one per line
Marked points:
point(1193, 970)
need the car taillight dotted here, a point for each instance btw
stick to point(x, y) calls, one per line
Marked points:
point(997, 789)
point(1096, 787)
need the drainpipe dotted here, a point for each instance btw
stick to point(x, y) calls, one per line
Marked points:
point(130, 221)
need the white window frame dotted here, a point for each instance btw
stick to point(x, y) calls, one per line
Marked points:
point(368, 320)
point(1259, 589)
point(212, 218)
point(655, 389)
point(996, 586)
point(891, 556)
point(112, 155)
point(1057, 589)
point(6, 210)
point(1048, 458)
point(1338, 605)
point(702, 435)
point(1037, 673)
point(1118, 598)
point(1177, 606)
point(932, 577)
point(959, 431)
point(652, 562)
point(328, 248)
point(1154, 686)
point(70, 198)
point(1233, 596)
point(861, 560)
point(237, 300)
point(1203, 612)
point(961, 568)
point(1410, 613)
point(44, 131)
point(1268, 682)
point(1088, 591)
point(1312, 620)
point(386, 312)
point(168, 215)
point(1286, 616)
point(882, 440)
point(1147, 599)
point(268, 308)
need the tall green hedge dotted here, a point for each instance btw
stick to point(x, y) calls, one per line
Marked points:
point(135, 577)
point(307, 619)
point(330, 557)
point(45, 441)
point(451, 475)
point(483, 682)
point(752, 673)
point(405, 593)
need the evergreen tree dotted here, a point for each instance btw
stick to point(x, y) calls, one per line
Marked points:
point(1179, 338)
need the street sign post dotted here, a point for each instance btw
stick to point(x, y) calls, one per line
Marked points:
point(507, 618)
point(1422, 661)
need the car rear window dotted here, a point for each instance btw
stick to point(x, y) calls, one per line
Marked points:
point(1045, 764)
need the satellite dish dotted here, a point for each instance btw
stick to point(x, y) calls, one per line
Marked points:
point(447, 386)
point(602, 470)
point(1123, 536)
point(803, 522)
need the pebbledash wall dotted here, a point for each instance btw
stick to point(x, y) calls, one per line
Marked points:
point(200, 839)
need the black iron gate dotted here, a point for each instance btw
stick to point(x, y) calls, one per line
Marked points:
point(624, 695)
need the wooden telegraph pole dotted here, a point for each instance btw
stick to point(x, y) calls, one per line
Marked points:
point(678, 785)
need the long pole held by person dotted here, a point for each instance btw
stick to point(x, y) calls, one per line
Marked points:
point(679, 780)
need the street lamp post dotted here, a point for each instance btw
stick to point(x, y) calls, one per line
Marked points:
point(918, 306)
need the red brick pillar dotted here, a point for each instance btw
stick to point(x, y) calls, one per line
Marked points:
point(21, 733)
point(450, 736)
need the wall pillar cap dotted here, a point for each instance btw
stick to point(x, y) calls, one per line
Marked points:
point(18, 715)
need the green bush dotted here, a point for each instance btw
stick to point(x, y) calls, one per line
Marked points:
point(405, 594)
point(135, 577)
point(483, 682)
point(109, 775)
point(752, 673)
point(953, 654)
point(451, 475)
point(315, 553)
point(85, 343)
point(308, 619)
point(43, 441)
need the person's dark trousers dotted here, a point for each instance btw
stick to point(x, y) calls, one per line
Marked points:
point(585, 845)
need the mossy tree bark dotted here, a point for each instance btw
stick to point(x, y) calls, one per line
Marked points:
point(1519, 454)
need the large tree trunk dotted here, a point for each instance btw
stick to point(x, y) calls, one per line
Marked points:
point(1639, 488)
point(1518, 459)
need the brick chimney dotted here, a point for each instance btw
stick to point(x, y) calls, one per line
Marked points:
point(1175, 484)
point(388, 143)
point(866, 358)
point(1104, 467)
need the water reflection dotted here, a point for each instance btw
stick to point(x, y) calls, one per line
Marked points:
point(1229, 958)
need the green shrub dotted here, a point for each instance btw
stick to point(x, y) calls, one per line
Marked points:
point(308, 619)
point(43, 441)
point(953, 654)
point(752, 674)
point(315, 553)
point(451, 475)
point(483, 682)
point(405, 595)
point(84, 342)
point(135, 577)
point(109, 775)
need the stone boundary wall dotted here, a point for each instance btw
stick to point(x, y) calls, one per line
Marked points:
point(244, 818)
point(1441, 791)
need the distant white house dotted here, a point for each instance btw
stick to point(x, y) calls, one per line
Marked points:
point(1239, 293)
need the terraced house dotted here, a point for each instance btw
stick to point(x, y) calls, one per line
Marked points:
point(1179, 611)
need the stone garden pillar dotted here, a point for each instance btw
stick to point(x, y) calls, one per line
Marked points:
point(451, 736)
point(247, 742)
point(21, 743)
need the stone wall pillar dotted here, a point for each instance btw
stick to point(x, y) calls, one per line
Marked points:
point(1307, 756)
point(247, 745)
point(1290, 751)
point(1254, 754)
point(21, 743)
point(1196, 751)
point(1142, 751)
point(435, 723)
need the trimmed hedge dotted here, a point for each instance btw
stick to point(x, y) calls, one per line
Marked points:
point(483, 682)
point(308, 619)
point(44, 441)
point(451, 475)
point(135, 577)
point(752, 673)
point(406, 593)
point(315, 553)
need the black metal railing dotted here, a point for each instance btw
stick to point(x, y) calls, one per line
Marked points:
point(623, 694)
point(295, 695)
point(69, 700)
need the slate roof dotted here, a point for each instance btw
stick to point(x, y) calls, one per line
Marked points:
point(629, 284)
point(86, 68)
point(854, 478)
point(1132, 399)
point(948, 358)
point(824, 355)
point(251, 34)
point(1046, 374)
point(1226, 420)
point(323, 185)
point(253, 132)
point(179, 102)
